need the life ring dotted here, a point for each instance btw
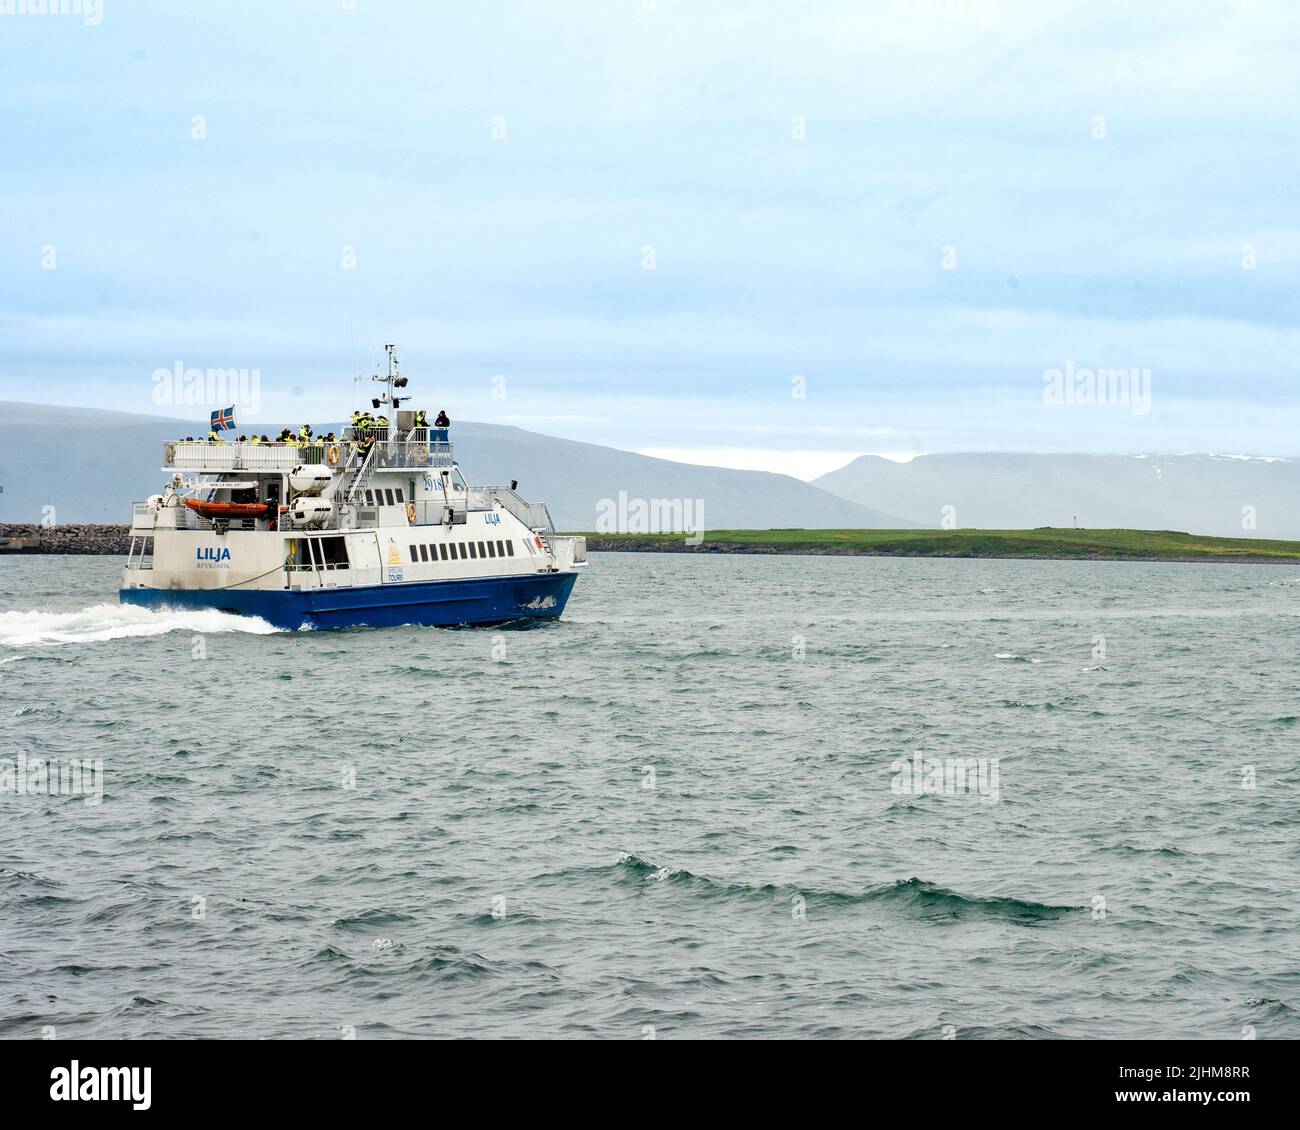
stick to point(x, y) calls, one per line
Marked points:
point(332, 455)
point(410, 513)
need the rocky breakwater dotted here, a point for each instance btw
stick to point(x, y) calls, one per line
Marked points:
point(35, 538)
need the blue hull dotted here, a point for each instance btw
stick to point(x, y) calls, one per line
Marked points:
point(489, 600)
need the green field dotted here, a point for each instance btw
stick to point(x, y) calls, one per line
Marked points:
point(1046, 542)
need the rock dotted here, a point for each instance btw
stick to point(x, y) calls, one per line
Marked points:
point(35, 538)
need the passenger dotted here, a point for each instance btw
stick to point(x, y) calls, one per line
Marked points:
point(382, 422)
point(442, 421)
point(265, 440)
point(421, 418)
point(254, 439)
point(330, 438)
point(213, 437)
point(304, 434)
point(243, 439)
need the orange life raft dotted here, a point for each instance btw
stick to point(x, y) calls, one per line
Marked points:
point(230, 509)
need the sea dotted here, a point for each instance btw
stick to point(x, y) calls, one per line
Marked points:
point(723, 797)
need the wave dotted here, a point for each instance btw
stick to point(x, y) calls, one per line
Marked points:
point(913, 894)
point(118, 621)
point(931, 899)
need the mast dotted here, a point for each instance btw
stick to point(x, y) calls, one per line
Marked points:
point(390, 380)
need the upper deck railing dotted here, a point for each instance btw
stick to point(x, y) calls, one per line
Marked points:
point(534, 515)
point(407, 450)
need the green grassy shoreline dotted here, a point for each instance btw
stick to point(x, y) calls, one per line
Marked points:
point(1045, 543)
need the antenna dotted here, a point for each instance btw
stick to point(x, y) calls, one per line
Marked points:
point(391, 380)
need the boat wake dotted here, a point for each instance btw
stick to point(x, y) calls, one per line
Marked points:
point(118, 621)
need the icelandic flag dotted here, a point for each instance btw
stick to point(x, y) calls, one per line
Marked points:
point(224, 419)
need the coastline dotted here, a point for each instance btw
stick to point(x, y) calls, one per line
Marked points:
point(1007, 545)
point(1044, 544)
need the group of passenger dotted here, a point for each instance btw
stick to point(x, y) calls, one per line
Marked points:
point(365, 428)
point(303, 437)
point(364, 422)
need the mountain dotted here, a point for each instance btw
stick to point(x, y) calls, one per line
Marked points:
point(90, 465)
point(1202, 494)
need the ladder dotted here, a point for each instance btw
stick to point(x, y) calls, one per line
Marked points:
point(360, 477)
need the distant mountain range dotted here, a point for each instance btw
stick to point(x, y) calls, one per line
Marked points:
point(1228, 496)
point(90, 465)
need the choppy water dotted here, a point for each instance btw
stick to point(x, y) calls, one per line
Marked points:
point(500, 867)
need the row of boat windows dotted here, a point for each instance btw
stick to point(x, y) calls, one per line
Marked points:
point(386, 496)
point(462, 550)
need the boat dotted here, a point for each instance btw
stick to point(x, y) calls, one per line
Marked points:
point(379, 528)
point(229, 509)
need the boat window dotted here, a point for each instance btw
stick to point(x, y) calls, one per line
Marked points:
point(332, 553)
point(510, 549)
point(370, 497)
point(460, 547)
point(472, 551)
point(492, 548)
point(388, 496)
point(442, 550)
point(424, 553)
point(415, 554)
point(481, 551)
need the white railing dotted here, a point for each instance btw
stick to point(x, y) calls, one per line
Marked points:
point(146, 518)
point(534, 515)
point(218, 457)
point(246, 456)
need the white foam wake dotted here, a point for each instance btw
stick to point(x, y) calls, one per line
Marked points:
point(118, 621)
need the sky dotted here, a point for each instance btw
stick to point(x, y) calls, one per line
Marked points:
point(757, 234)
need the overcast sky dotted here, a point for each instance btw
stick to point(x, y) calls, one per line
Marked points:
point(917, 207)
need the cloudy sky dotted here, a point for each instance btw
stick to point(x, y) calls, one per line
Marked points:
point(750, 233)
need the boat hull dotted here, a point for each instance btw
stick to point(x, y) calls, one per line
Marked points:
point(479, 600)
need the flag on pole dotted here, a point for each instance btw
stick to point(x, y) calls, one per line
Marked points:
point(224, 419)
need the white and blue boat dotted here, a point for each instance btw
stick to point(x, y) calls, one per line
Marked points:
point(377, 529)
